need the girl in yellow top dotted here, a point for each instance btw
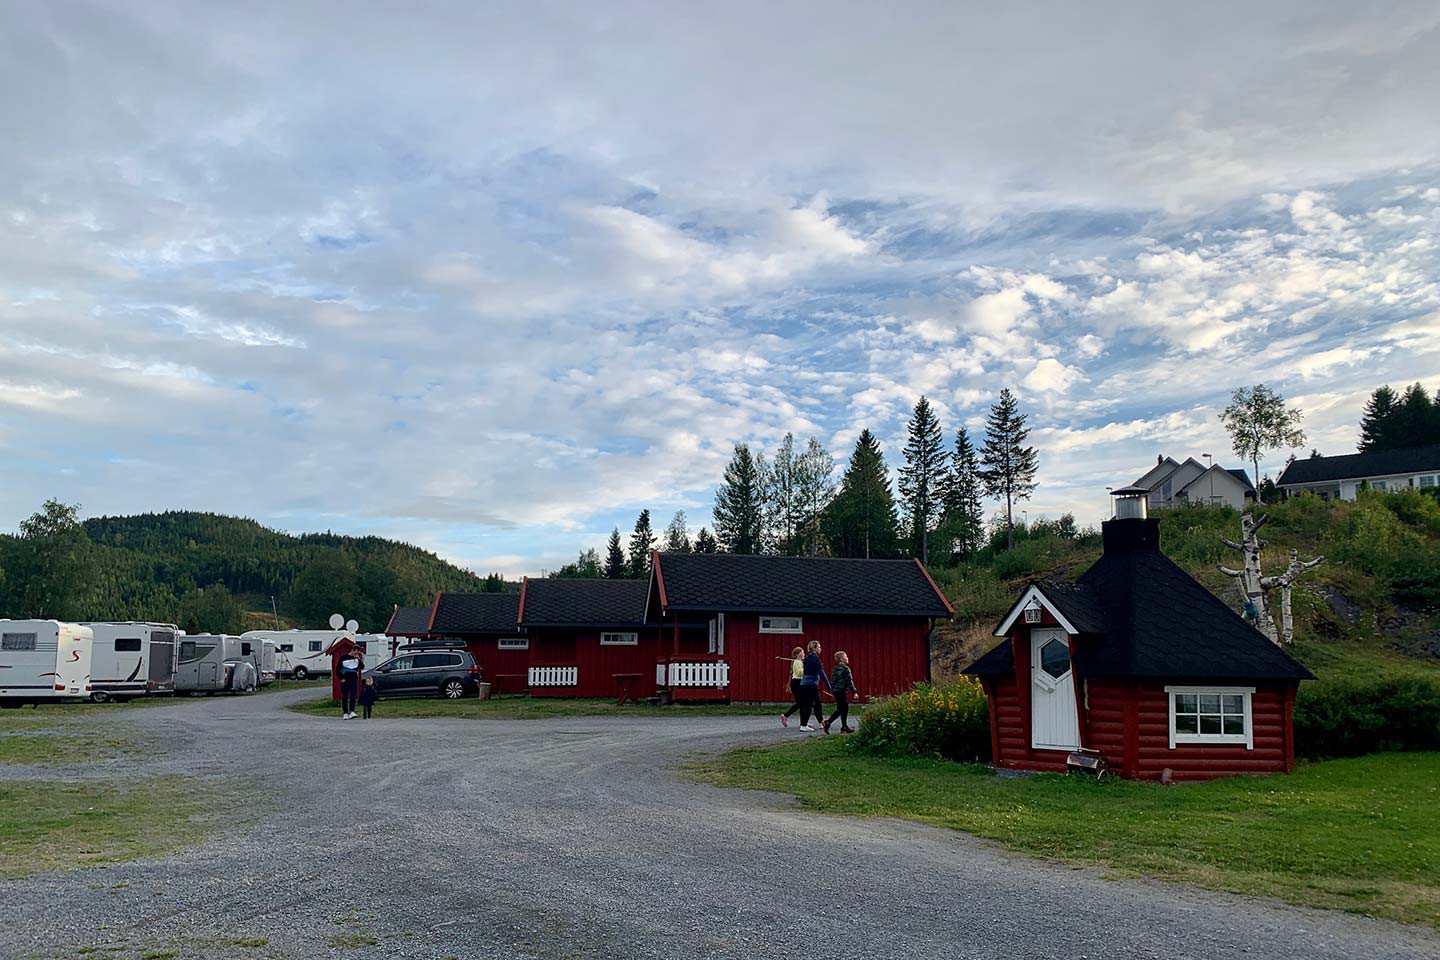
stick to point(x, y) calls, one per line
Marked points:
point(797, 673)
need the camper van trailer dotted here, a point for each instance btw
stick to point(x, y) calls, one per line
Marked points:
point(260, 653)
point(43, 660)
point(301, 653)
point(131, 660)
point(210, 662)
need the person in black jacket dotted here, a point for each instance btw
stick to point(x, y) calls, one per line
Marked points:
point(368, 695)
point(842, 685)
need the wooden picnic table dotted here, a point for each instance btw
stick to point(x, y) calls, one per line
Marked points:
point(626, 682)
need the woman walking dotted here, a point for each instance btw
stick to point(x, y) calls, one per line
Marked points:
point(797, 673)
point(814, 672)
point(842, 684)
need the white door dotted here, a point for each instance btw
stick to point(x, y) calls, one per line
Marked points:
point(1054, 723)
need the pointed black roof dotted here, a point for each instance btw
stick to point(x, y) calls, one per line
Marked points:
point(563, 602)
point(471, 614)
point(409, 622)
point(764, 584)
point(1140, 615)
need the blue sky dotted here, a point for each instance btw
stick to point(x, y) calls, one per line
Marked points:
point(492, 280)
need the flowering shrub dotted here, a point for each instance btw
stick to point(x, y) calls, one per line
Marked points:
point(951, 720)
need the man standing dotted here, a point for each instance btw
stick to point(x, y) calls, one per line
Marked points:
point(350, 665)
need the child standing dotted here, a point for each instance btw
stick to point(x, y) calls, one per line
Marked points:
point(842, 685)
point(368, 695)
point(797, 673)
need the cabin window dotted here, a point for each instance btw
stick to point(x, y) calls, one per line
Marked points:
point(315, 646)
point(127, 644)
point(619, 639)
point(1378, 484)
point(781, 625)
point(187, 650)
point(1210, 715)
point(1427, 482)
point(17, 641)
point(1032, 614)
point(513, 643)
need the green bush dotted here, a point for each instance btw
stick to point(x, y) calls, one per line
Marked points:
point(951, 721)
point(1348, 717)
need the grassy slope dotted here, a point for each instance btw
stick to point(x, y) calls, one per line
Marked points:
point(1356, 835)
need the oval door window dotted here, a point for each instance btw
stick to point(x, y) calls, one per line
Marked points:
point(1055, 658)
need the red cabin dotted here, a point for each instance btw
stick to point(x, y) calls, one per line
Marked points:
point(588, 638)
point(730, 621)
point(487, 623)
point(1140, 663)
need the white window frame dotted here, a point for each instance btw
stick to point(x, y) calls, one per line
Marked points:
point(1032, 610)
point(767, 625)
point(315, 646)
point(616, 639)
point(512, 643)
point(1424, 485)
point(1247, 739)
point(717, 634)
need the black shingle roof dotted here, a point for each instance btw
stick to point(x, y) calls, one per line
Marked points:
point(723, 581)
point(1241, 475)
point(409, 622)
point(1355, 466)
point(475, 613)
point(585, 603)
point(1155, 620)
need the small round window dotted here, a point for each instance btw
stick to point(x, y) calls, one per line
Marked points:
point(1055, 658)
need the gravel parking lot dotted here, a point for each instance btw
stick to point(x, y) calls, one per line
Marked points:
point(576, 838)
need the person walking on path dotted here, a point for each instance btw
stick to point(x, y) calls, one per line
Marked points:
point(369, 693)
point(814, 672)
point(350, 665)
point(842, 685)
point(797, 673)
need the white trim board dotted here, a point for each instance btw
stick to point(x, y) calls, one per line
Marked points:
point(1033, 593)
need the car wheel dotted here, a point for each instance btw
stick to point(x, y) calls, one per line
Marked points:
point(301, 673)
point(452, 689)
point(100, 696)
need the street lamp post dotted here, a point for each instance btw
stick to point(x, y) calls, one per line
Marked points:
point(1208, 465)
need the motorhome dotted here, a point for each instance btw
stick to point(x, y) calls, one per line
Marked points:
point(129, 659)
point(43, 660)
point(261, 652)
point(301, 653)
point(211, 662)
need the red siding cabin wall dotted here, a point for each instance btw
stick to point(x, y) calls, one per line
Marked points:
point(596, 665)
point(887, 654)
point(492, 660)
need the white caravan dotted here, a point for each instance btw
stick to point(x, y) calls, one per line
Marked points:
point(210, 662)
point(129, 659)
point(261, 653)
point(43, 660)
point(301, 653)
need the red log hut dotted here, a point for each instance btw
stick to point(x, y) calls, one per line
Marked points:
point(488, 625)
point(726, 618)
point(1138, 661)
point(588, 637)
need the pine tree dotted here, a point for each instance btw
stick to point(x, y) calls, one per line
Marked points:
point(642, 541)
point(1418, 418)
point(677, 535)
point(814, 489)
point(781, 498)
point(1377, 424)
point(1009, 465)
point(922, 478)
point(704, 542)
point(739, 512)
point(962, 519)
point(615, 567)
point(861, 519)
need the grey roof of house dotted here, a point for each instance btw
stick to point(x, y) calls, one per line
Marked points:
point(764, 584)
point(1354, 466)
point(459, 614)
point(584, 602)
point(1242, 476)
point(409, 622)
point(1145, 617)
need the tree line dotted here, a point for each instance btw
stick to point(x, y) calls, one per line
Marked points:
point(210, 573)
point(1395, 421)
point(791, 504)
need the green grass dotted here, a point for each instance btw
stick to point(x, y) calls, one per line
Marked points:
point(536, 708)
point(1359, 835)
point(60, 826)
point(76, 746)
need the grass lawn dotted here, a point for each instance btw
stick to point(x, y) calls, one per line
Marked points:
point(59, 826)
point(1360, 835)
point(74, 746)
point(537, 708)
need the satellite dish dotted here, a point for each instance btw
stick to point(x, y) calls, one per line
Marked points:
point(336, 621)
point(352, 626)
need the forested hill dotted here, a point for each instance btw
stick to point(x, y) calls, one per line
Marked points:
point(211, 572)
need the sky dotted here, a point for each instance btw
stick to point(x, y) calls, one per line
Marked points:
point(491, 278)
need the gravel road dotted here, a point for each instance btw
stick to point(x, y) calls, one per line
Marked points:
point(575, 838)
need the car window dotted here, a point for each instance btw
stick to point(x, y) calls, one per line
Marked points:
point(400, 663)
point(427, 660)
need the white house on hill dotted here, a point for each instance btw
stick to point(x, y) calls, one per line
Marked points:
point(1173, 484)
point(1339, 478)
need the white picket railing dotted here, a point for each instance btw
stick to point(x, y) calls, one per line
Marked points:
point(711, 674)
point(554, 676)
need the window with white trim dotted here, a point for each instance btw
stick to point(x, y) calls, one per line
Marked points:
point(1210, 715)
point(619, 639)
point(1032, 611)
point(781, 625)
point(1426, 482)
point(513, 643)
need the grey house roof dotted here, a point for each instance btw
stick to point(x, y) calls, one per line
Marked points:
point(409, 622)
point(583, 603)
point(1355, 466)
point(459, 614)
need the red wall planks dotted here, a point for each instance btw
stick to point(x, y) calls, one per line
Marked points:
point(888, 655)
